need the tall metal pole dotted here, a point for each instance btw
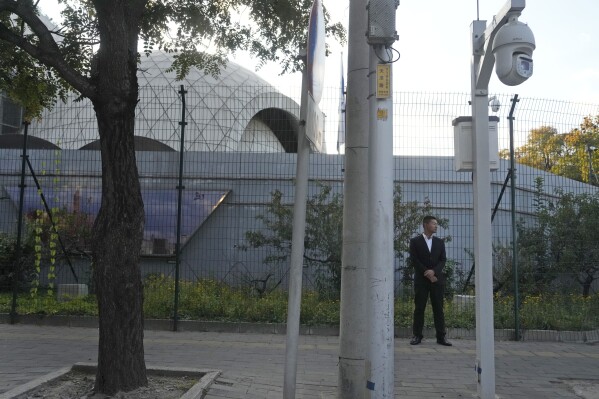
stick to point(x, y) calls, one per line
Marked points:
point(353, 331)
point(380, 368)
point(180, 188)
point(483, 61)
point(485, 342)
point(297, 248)
point(514, 229)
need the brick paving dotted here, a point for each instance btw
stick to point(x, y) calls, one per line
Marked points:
point(253, 364)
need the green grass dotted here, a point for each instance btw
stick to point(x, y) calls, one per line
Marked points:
point(210, 300)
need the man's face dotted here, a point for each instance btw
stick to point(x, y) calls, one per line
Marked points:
point(431, 227)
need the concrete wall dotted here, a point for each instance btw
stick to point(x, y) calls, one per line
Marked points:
point(213, 251)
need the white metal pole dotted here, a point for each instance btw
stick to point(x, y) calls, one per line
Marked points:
point(380, 247)
point(353, 347)
point(297, 249)
point(485, 341)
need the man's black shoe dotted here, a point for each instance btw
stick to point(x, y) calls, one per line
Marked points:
point(415, 340)
point(444, 342)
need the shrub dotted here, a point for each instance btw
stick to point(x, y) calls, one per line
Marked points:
point(211, 300)
point(8, 260)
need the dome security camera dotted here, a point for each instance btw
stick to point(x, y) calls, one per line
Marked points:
point(513, 46)
point(494, 104)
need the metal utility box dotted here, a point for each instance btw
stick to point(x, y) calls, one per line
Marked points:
point(381, 22)
point(462, 143)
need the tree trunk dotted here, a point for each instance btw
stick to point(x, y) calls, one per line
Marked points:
point(118, 229)
point(118, 233)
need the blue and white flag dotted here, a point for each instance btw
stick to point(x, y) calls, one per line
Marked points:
point(341, 130)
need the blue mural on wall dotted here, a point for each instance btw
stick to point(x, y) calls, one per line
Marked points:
point(160, 231)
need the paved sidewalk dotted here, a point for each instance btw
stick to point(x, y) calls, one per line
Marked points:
point(253, 364)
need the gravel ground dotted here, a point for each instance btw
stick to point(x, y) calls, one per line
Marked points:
point(78, 385)
point(585, 389)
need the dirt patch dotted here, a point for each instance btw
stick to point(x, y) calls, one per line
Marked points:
point(80, 385)
point(585, 389)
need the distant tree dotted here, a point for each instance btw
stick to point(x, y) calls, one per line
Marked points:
point(94, 51)
point(539, 270)
point(578, 160)
point(569, 154)
point(561, 244)
point(572, 222)
point(323, 242)
point(535, 268)
point(542, 149)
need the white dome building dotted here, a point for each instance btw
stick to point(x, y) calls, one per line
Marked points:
point(237, 111)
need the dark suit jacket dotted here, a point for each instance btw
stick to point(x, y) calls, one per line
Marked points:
point(423, 259)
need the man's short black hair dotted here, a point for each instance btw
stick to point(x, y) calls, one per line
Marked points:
point(427, 219)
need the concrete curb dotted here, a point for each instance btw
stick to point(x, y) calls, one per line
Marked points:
point(31, 385)
point(167, 325)
point(591, 336)
point(197, 391)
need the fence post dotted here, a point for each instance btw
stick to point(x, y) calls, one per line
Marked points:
point(514, 232)
point(17, 264)
point(180, 189)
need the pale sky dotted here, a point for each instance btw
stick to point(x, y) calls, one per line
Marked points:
point(435, 47)
point(434, 43)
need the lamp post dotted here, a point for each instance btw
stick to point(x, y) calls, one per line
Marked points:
point(509, 44)
point(590, 150)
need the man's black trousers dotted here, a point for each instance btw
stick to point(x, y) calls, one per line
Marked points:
point(422, 291)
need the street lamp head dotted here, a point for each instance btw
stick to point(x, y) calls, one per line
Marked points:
point(513, 46)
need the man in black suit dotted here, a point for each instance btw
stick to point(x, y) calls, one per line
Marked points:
point(427, 254)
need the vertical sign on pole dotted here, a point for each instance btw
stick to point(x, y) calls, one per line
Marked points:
point(383, 81)
point(312, 79)
point(315, 63)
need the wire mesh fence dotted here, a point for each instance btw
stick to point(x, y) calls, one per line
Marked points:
point(237, 192)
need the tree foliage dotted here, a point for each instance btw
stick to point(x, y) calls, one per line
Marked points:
point(542, 149)
point(572, 220)
point(323, 240)
point(40, 63)
point(559, 247)
point(9, 264)
point(569, 154)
